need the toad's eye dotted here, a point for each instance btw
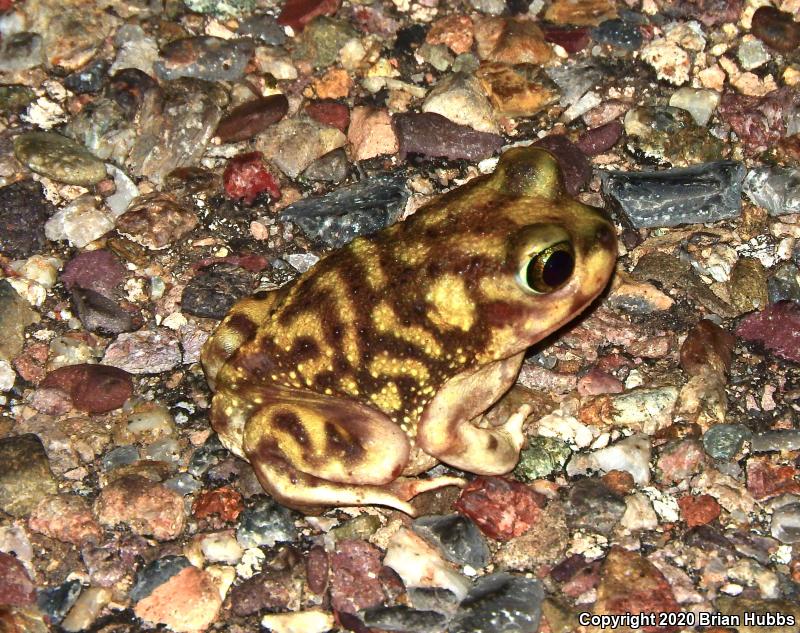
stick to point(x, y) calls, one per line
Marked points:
point(549, 269)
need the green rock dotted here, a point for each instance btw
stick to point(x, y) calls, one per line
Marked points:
point(361, 527)
point(15, 315)
point(748, 285)
point(724, 441)
point(543, 456)
point(59, 158)
point(322, 39)
point(15, 98)
point(25, 476)
point(224, 8)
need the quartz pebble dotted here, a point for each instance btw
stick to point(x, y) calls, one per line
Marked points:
point(774, 188)
point(631, 455)
point(144, 351)
point(785, 524)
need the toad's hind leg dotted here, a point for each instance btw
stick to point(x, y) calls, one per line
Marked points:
point(309, 449)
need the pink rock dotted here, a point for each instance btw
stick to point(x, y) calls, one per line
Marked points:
point(600, 139)
point(92, 388)
point(759, 122)
point(502, 508)
point(246, 176)
point(16, 588)
point(678, 462)
point(699, 509)
point(317, 569)
point(298, 13)
point(777, 327)
point(766, 480)
point(707, 345)
point(583, 580)
point(188, 602)
point(329, 113)
point(370, 133)
point(98, 270)
point(596, 382)
point(354, 580)
point(66, 518)
point(149, 508)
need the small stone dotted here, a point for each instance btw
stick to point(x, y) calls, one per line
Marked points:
point(785, 523)
point(700, 103)
point(500, 602)
point(59, 158)
point(702, 193)
point(572, 40)
point(25, 475)
point(502, 508)
point(99, 270)
point(511, 41)
point(251, 118)
point(515, 92)
point(775, 441)
point(272, 590)
point(149, 508)
point(298, 13)
point(631, 455)
point(575, 167)
point(90, 603)
point(777, 189)
point(322, 40)
point(92, 388)
point(104, 129)
point(639, 513)
point(310, 621)
point(679, 461)
point(98, 313)
point(204, 57)
point(759, 122)
point(432, 134)
point(355, 576)
point(155, 574)
point(80, 222)
point(457, 537)
point(766, 480)
point(580, 12)
point(784, 284)
point(156, 220)
point(264, 524)
point(748, 285)
point(246, 177)
point(542, 457)
point(752, 54)
point(629, 583)
point(642, 410)
point(403, 618)
point(460, 98)
point(57, 601)
point(144, 351)
point(699, 509)
point(332, 167)
point(293, 144)
point(224, 503)
point(212, 292)
point(707, 346)
point(187, 602)
point(600, 139)
point(362, 208)
point(16, 588)
point(222, 8)
point(15, 316)
point(23, 213)
point(668, 59)
point(263, 27)
point(593, 507)
point(777, 29)
point(709, 12)
point(454, 31)
point(371, 133)
point(21, 51)
point(329, 113)
point(777, 328)
point(620, 33)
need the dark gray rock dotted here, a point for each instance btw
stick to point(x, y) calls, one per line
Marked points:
point(347, 212)
point(57, 601)
point(785, 525)
point(431, 134)
point(156, 574)
point(23, 213)
point(433, 599)
point(724, 441)
point(98, 313)
point(777, 189)
point(208, 455)
point(701, 193)
point(784, 284)
point(120, 456)
point(212, 291)
point(88, 79)
point(205, 57)
point(458, 538)
point(775, 441)
point(264, 28)
point(620, 33)
point(500, 603)
point(265, 523)
point(405, 619)
point(592, 506)
point(332, 167)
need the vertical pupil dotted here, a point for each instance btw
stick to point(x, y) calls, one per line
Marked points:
point(557, 268)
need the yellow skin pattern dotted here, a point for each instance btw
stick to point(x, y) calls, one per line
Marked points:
point(377, 363)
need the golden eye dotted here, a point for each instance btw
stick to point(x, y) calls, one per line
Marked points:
point(550, 268)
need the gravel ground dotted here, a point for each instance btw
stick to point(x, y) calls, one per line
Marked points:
point(159, 161)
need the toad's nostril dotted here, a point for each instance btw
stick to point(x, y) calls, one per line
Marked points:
point(605, 236)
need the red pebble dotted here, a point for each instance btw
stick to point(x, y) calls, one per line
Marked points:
point(777, 327)
point(766, 480)
point(698, 510)
point(223, 502)
point(298, 13)
point(329, 113)
point(570, 39)
point(245, 177)
point(502, 508)
point(92, 388)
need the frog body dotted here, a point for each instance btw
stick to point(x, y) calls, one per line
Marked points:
point(377, 362)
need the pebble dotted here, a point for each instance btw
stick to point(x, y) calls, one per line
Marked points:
point(542, 456)
point(104, 129)
point(759, 122)
point(263, 27)
point(784, 284)
point(580, 12)
point(125, 191)
point(457, 537)
point(187, 602)
point(370, 133)
point(766, 480)
point(752, 54)
point(98, 313)
point(775, 441)
point(16, 588)
point(23, 213)
point(785, 523)
point(707, 346)
point(631, 455)
point(433, 135)
point(246, 177)
point(265, 523)
point(643, 410)
point(777, 29)
point(748, 285)
point(575, 167)
point(600, 139)
point(776, 189)
point(511, 41)
point(15, 316)
point(91, 601)
point(699, 509)
point(619, 33)
point(135, 49)
point(57, 601)
point(405, 619)
point(502, 508)
point(454, 31)
point(679, 461)
point(355, 577)
point(212, 291)
point(67, 518)
point(500, 602)
point(80, 222)
point(25, 475)
point(222, 8)
point(59, 158)
point(698, 102)
point(295, 143)
point(701, 193)
point(460, 98)
point(120, 456)
point(333, 167)
point(517, 92)
point(271, 590)
point(347, 212)
point(777, 328)
point(147, 507)
point(298, 13)
point(639, 513)
point(156, 220)
point(321, 41)
point(592, 506)
point(204, 57)
point(98, 270)
point(251, 118)
point(309, 621)
point(144, 351)
point(21, 51)
point(329, 113)
point(155, 574)
point(542, 545)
